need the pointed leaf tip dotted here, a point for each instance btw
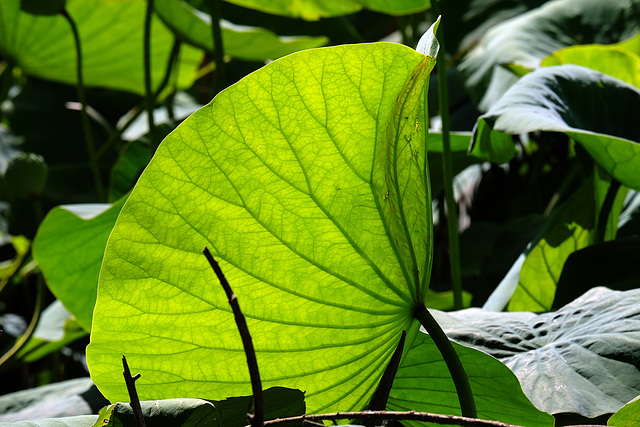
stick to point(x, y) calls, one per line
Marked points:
point(428, 44)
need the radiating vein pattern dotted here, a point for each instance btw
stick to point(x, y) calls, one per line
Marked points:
point(305, 182)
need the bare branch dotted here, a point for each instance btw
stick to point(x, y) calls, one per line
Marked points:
point(133, 394)
point(393, 415)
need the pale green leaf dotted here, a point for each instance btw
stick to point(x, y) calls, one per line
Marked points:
point(608, 59)
point(69, 248)
point(249, 43)
point(309, 10)
point(111, 33)
point(56, 329)
point(62, 400)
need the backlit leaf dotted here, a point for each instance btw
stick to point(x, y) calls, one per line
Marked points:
point(307, 182)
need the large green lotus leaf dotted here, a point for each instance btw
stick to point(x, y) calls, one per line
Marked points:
point(532, 36)
point(250, 43)
point(569, 229)
point(596, 110)
point(307, 181)
point(609, 59)
point(581, 359)
point(111, 33)
point(69, 247)
point(420, 386)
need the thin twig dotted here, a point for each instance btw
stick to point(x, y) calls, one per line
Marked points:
point(393, 415)
point(133, 394)
point(257, 419)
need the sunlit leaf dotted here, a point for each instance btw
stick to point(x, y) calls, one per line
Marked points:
point(310, 10)
point(609, 59)
point(627, 416)
point(572, 227)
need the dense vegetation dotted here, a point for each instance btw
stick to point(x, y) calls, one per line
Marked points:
point(476, 179)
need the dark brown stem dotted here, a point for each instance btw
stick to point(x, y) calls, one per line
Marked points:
point(393, 415)
point(133, 394)
point(257, 419)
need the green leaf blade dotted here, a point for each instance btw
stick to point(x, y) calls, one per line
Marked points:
point(295, 179)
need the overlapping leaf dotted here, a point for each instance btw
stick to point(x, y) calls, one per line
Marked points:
point(420, 386)
point(582, 358)
point(596, 110)
point(307, 181)
point(111, 34)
